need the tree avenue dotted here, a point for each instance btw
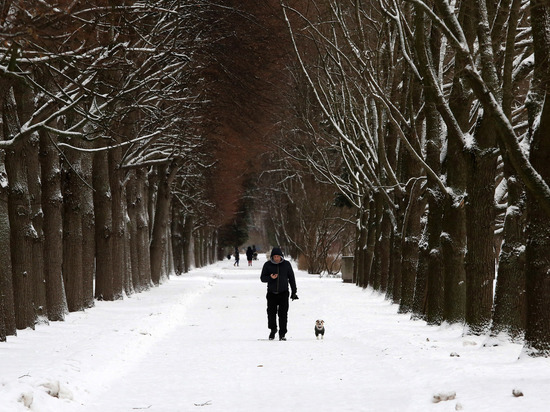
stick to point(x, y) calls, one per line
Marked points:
point(140, 139)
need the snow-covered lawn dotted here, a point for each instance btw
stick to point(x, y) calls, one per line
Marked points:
point(198, 343)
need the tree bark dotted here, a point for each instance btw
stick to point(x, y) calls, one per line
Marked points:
point(368, 278)
point(25, 100)
point(421, 285)
point(103, 228)
point(510, 310)
point(143, 230)
point(88, 231)
point(428, 50)
point(453, 246)
point(375, 275)
point(7, 309)
point(453, 242)
point(412, 232)
point(72, 232)
point(22, 233)
point(132, 199)
point(384, 251)
point(510, 304)
point(187, 242)
point(537, 334)
point(480, 227)
point(435, 281)
point(52, 205)
point(21, 240)
point(162, 217)
point(117, 221)
point(361, 245)
point(177, 239)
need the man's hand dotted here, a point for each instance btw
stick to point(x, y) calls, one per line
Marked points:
point(274, 276)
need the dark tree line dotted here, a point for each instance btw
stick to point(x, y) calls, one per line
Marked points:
point(429, 118)
point(131, 132)
point(112, 121)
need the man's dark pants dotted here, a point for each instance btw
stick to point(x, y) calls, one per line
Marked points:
point(277, 303)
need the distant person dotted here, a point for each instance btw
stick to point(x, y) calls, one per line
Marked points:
point(278, 274)
point(236, 254)
point(249, 255)
point(254, 252)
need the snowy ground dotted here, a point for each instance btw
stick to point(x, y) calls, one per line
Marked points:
point(198, 343)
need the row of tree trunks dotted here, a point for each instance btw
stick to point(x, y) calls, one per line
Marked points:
point(67, 234)
point(75, 215)
point(477, 91)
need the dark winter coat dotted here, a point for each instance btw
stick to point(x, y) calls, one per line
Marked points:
point(249, 253)
point(286, 276)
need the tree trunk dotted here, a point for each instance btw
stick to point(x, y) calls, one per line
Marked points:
point(371, 243)
point(394, 282)
point(143, 230)
point(537, 334)
point(187, 239)
point(510, 307)
point(453, 246)
point(52, 205)
point(128, 269)
point(435, 280)
point(37, 217)
point(21, 240)
point(162, 217)
point(24, 98)
point(168, 261)
point(177, 239)
point(22, 233)
point(384, 255)
point(428, 50)
point(421, 284)
point(509, 311)
point(412, 232)
point(376, 227)
point(117, 221)
point(480, 226)
point(453, 243)
point(3, 335)
point(7, 309)
point(88, 231)
point(196, 248)
point(360, 246)
point(132, 199)
point(103, 228)
point(72, 232)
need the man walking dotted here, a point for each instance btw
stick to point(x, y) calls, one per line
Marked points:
point(278, 274)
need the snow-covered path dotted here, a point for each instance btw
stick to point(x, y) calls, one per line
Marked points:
point(219, 357)
point(198, 342)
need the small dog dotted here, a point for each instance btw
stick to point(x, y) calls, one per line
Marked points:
point(319, 328)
